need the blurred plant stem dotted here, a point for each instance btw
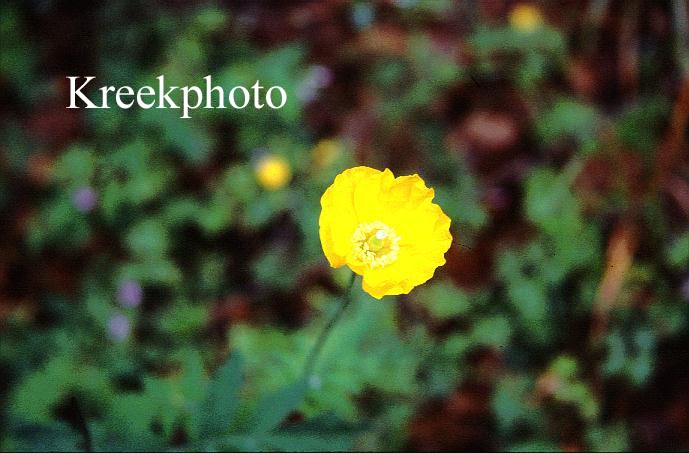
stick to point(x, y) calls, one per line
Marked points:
point(672, 148)
point(679, 8)
point(345, 300)
point(81, 424)
point(596, 15)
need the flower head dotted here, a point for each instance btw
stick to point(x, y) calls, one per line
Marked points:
point(85, 199)
point(317, 77)
point(273, 172)
point(525, 17)
point(129, 293)
point(384, 228)
point(119, 327)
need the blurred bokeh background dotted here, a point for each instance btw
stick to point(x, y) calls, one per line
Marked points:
point(162, 281)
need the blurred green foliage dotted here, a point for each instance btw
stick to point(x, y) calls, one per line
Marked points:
point(180, 212)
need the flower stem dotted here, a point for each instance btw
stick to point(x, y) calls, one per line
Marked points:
point(345, 300)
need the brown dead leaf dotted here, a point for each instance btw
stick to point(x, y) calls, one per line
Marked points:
point(620, 256)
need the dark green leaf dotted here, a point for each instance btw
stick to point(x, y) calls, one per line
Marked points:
point(274, 407)
point(222, 400)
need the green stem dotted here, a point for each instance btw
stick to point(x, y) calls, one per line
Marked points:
point(320, 342)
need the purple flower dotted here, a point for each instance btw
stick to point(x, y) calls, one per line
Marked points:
point(317, 77)
point(129, 293)
point(321, 75)
point(306, 93)
point(119, 327)
point(85, 199)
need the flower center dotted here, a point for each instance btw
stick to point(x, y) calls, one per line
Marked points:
point(375, 244)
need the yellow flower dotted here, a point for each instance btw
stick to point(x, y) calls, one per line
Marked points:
point(525, 17)
point(273, 172)
point(384, 228)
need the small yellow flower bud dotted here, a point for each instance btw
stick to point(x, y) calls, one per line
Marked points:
point(526, 17)
point(273, 172)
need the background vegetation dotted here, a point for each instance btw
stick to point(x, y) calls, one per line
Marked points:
point(161, 280)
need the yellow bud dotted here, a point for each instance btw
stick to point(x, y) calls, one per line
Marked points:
point(273, 172)
point(526, 17)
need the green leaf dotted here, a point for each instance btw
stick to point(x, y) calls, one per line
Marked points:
point(549, 200)
point(443, 299)
point(510, 401)
point(148, 239)
point(323, 433)
point(614, 437)
point(565, 367)
point(495, 331)
point(269, 269)
point(222, 399)
point(677, 252)
point(164, 398)
point(55, 436)
point(181, 211)
point(641, 126)
point(132, 413)
point(58, 224)
point(191, 141)
point(114, 438)
point(568, 118)
point(37, 395)
point(318, 439)
point(184, 319)
point(362, 351)
point(76, 166)
point(534, 445)
point(153, 271)
point(273, 408)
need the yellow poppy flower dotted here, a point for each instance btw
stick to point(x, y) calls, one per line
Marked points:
point(273, 172)
point(386, 229)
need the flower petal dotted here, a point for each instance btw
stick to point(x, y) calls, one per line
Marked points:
point(362, 195)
